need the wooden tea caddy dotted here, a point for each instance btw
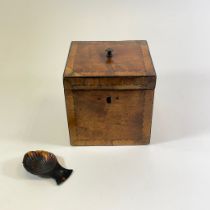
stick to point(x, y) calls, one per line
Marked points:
point(109, 90)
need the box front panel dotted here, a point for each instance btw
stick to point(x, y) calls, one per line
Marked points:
point(111, 117)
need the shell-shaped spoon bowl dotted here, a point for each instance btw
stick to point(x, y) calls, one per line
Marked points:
point(45, 164)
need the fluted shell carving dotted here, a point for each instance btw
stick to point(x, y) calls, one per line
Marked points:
point(45, 164)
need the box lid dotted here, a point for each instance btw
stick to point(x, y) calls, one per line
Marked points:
point(109, 64)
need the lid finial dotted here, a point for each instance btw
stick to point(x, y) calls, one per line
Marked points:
point(109, 52)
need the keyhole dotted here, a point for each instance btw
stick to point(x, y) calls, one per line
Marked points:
point(109, 100)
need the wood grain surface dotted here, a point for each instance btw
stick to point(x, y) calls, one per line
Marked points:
point(109, 101)
point(88, 59)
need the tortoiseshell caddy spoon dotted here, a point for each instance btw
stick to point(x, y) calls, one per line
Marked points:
point(45, 164)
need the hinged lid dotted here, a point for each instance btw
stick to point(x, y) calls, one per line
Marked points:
point(108, 65)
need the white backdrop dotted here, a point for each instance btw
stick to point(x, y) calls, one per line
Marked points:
point(172, 172)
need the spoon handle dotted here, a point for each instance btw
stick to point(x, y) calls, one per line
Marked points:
point(60, 174)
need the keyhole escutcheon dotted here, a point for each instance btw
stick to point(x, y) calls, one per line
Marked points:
point(109, 99)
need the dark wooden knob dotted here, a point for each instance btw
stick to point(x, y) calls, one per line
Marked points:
point(109, 52)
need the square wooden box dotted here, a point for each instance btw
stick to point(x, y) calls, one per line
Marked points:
point(109, 90)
